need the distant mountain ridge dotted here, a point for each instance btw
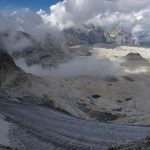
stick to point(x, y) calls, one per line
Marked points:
point(50, 51)
point(91, 34)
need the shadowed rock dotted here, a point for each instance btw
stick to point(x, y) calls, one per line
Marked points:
point(7, 63)
point(8, 69)
point(135, 57)
point(139, 145)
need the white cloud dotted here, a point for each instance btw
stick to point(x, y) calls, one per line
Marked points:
point(88, 66)
point(126, 13)
point(134, 15)
point(74, 12)
point(27, 21)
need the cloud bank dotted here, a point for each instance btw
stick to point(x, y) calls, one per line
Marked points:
point(88, 66)
point(133, 15)
point(68, 13)
point(26, 21)
point(73, 12)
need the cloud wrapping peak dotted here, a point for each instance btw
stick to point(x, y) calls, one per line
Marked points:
point(26, 21)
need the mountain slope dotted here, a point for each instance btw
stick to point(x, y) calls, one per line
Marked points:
point(47, 52)
point(17, 85)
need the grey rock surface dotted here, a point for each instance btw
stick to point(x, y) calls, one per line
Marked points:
point(41, 128)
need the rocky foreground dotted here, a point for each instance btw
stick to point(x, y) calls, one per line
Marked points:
point(139, 145)
point(39, 127)
point(123, 98)
point(42, 108)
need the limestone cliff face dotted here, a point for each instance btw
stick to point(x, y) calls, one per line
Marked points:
point(86, 35)
point(91, 34)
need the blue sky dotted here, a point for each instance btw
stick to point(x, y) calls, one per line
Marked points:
point(32, 4)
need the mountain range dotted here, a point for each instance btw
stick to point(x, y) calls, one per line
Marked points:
point(51, 51)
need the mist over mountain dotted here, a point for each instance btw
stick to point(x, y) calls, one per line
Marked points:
point(115, 21)
point(41, 40)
